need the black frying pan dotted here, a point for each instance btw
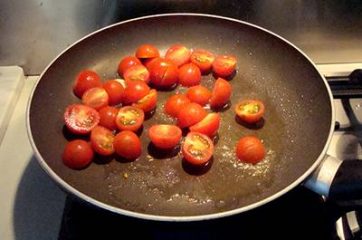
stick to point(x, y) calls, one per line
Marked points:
point(297, 127)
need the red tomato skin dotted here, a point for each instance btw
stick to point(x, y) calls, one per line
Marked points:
point(115, 91)
point(199, 94)
point(147, 51)
point(203, 59)
point(137, 72)
point(221, 93)
point(85, 80)
point(95, 97)
point(126, 63)
point(189, 75)
point(77, 154)
point(224, 65)
point(148, 102)
point(133, 124)
point(191, 114)
point(165, 136)
point(178, 54)
point(74, 112)
point(208, 126)
point(250, 118)
point(102, 140)
point(127, 145)
point(190, 157)
point(108, 117)
point(250, 149)
point(134, 91)
point(175, 103)
point(163, 73)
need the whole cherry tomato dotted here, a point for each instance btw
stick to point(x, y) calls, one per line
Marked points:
point(127, 145)
point(250, 149)
point(77, 154)
point(189, 75)
point(165, 136)
point(85, 80)
point(163, 73)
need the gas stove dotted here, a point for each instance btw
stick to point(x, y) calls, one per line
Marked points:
point(33, 207)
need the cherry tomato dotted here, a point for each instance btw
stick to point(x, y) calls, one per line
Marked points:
point(163, 73)
point(137, 72)
point(77, 154)
point(199, 94)
point(221, 93)
point(147, 51)
point(250, 149)
point(148, 63)
point(85, 80)
point(102, 141)
point(115, 91)
point(189, 75)
point(197, 148)
point(190, 114)
point(178, 54)
point(80, 119)
point(175, 103)
point(203, 59)
point(127, 145)
point(108, 117)
point(224, 65)
point(250, 111)
point(148, 102)
point(95, 97)
point(165, 136)
point(208, 126)
point(129, 118)
point(134, 91)
point(126, 63)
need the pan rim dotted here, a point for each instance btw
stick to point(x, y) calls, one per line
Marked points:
point(68, 188)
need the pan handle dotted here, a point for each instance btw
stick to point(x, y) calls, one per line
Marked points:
point(337, 179)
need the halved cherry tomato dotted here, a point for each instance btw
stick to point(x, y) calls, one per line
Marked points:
point(165, 136)
point(190, 114)
point(85, 80)
point(197, 148)
point(203, 59)
point(148, 102)
point(163, 73)
point(108, 116)
point(250, 111)
point(178, 54)
point(102, 141)
point(95, 97)
point(129, 118)
point(175, 103)
point(126, 63)
point(147, 51)
point(137, 72)
point(134, 91)
point(221, 93)
point(224, 65)
point(189, 75)
point(199, 94)
point(115, 91)
point(80, 119)
point(77, 154)
point(250, 149)
point(127, 145)
point(208, 126)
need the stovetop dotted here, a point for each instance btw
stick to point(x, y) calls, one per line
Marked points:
point(33, 207)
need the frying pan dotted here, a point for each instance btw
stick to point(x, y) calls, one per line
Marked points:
point(296, 128)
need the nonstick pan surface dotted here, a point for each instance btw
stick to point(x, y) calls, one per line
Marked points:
point(296, 128)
